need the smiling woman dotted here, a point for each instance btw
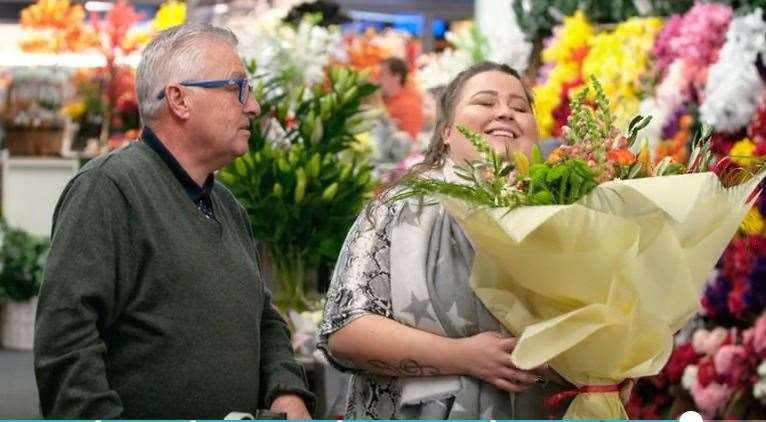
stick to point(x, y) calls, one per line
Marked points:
point(403, 280)
point(503, 113)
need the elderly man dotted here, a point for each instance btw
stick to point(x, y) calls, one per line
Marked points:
point(152, 304)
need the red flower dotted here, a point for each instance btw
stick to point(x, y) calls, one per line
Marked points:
point(722, 144)
point(682, 356)
point(706, 371)
point(736, 300)
point(760, 149)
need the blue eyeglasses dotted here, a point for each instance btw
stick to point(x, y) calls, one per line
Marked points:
point(242, 83)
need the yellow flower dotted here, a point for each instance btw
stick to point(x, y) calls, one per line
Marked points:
point(619, 59)
point(567, 53)
point(753, 223)
point(742, 152)
point(171, 13)
point(74, 110)
point(363, 144)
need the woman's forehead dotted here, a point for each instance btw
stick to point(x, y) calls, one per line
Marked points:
point(493, 80)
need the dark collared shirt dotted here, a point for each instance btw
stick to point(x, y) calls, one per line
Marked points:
point(200, 195)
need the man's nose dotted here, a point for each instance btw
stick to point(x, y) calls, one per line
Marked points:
point(252, 108)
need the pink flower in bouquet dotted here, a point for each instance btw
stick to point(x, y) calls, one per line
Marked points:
point(731, 362)
point(708, 342)
point(711, 398)
point(760, 149)
point(759, 335)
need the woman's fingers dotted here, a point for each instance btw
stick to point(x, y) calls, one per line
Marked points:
point(509, 386)
point(626, 388)
point(507, 344)
point(518, 376)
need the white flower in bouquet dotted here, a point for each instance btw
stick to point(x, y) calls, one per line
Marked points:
point(689, 377)
point(733, 88)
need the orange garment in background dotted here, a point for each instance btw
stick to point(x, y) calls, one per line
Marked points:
point(406, 110)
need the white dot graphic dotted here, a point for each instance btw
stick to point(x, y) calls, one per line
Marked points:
point(690, 417)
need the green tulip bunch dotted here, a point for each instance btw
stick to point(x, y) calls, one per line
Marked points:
point(301, 183)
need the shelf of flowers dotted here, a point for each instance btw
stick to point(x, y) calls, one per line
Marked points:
point(701, 66)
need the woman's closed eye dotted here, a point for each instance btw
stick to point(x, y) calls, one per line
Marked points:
point(485, 102)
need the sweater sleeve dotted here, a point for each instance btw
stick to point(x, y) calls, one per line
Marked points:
point(79, 299)
point(280, 372)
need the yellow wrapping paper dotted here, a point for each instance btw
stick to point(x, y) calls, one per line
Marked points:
point(598, 288)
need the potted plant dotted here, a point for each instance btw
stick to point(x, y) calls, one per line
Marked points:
point(302, 183)
point(22, 259)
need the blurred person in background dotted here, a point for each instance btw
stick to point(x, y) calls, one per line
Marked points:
point(403, 102)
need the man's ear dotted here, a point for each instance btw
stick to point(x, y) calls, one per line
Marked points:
point(179, 104)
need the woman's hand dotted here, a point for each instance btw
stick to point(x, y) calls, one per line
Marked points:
point(626, 389)
point(487, 356)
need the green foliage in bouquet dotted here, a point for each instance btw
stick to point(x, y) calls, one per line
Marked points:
point(594, 152)
point(22, 259)
point(301, 183)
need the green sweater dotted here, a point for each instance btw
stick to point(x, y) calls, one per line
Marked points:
point(150, 310)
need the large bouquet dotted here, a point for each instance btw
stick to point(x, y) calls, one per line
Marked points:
point(594, 257)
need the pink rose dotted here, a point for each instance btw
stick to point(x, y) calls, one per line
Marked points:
point(710, 399)
point(708, 342)
point(729, 359)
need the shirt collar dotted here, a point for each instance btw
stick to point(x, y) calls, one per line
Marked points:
point(193, 190)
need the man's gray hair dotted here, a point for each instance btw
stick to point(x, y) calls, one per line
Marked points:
point(174, 55)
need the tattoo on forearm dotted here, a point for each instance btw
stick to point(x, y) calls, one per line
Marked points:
point(406, 367)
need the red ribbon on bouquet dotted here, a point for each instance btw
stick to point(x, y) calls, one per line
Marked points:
point(555, 400)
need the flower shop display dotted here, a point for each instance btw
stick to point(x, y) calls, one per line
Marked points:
point(562, 60)
point(366, 50)
point(683, 52)
point(573, 252)
point(33, 122)
point(469, 46)
point(301, 182)
point(299, 53)
point(734, 89)
point(55, 26)
point(619, 59)
point(170, 13)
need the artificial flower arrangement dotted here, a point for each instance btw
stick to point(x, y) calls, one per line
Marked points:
point(573, 252)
